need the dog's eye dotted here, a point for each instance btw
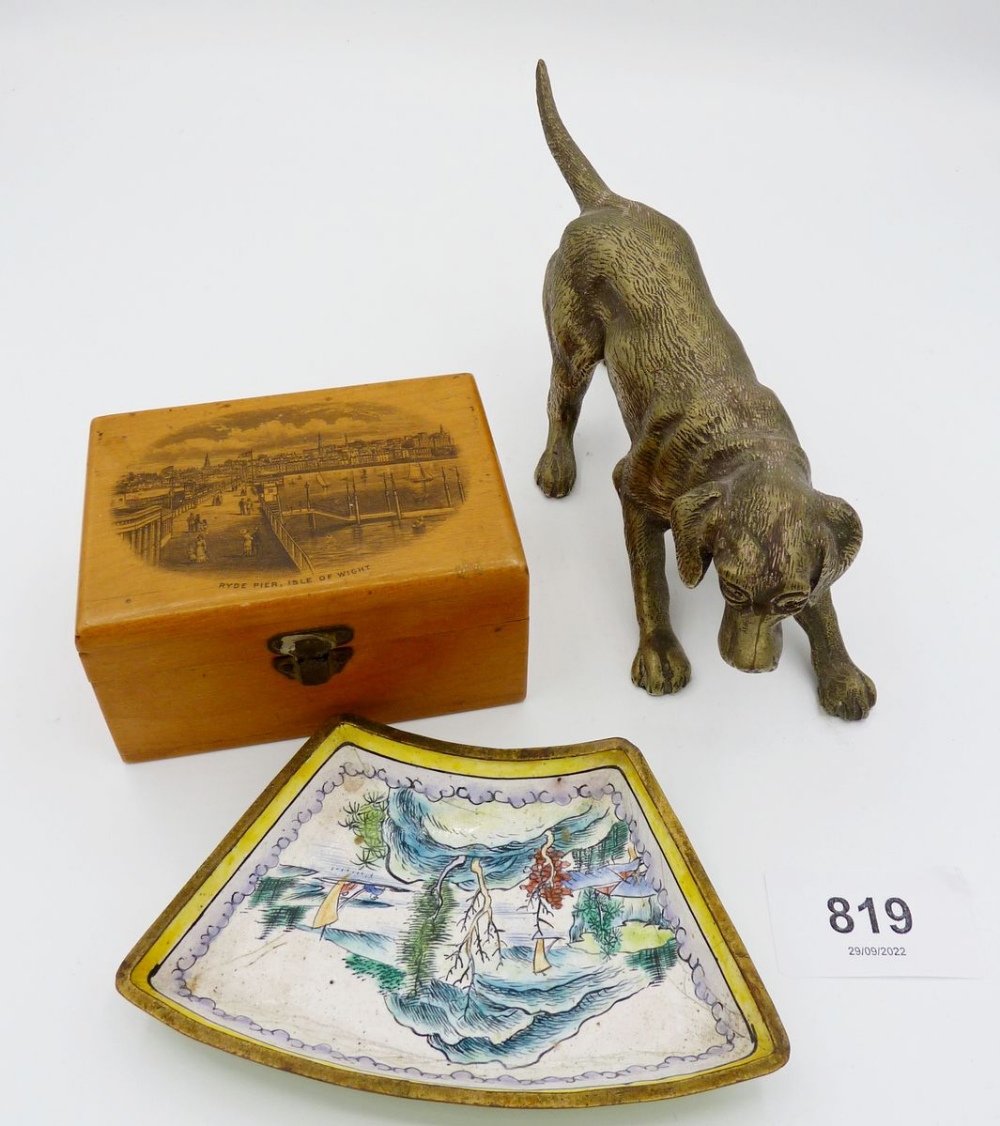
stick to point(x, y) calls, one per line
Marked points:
point(734, 595)
point(791, 603)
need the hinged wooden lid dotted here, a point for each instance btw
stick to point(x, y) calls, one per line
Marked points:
point(260, 505)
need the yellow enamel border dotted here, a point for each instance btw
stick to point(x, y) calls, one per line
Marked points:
point(770, 1042)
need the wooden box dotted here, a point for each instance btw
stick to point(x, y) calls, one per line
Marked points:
point(251, 568)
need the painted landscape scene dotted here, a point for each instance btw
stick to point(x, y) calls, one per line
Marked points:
point(443, 928)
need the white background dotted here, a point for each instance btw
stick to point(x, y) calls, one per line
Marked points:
point(217, 200)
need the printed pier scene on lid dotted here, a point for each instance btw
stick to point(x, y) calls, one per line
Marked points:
point(288, 488)
point(436, 924)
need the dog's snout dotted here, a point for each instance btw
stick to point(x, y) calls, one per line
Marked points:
point(749, 641)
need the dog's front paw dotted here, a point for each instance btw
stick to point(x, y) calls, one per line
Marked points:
point(846, 692)
point(661, 666)
point(555, 474)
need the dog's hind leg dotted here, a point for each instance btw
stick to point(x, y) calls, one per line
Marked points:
point(575, 354)
point(661, 665)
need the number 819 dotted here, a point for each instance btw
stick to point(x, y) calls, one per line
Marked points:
point(898, 911)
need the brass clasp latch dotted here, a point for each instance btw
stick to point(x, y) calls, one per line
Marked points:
point(312, 656)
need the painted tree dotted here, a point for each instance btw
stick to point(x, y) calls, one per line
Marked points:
point(460, 858)
point(285, 899)
point(611, 847)
point(365, 820)
point(547, 887)
point(428, 927)
point(599, 914)
point(479, 936)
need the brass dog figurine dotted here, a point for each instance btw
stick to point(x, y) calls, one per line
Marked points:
point(713, 455)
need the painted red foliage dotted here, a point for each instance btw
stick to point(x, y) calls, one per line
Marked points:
point(548, 878)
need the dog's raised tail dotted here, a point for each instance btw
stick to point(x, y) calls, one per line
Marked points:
point(590, 190)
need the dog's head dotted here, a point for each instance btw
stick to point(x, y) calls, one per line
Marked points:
point(777, 544)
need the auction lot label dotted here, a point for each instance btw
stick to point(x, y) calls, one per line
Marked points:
point(873, 923)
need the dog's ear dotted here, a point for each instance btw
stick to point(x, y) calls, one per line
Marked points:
point(693, 522)
point(845, 531)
